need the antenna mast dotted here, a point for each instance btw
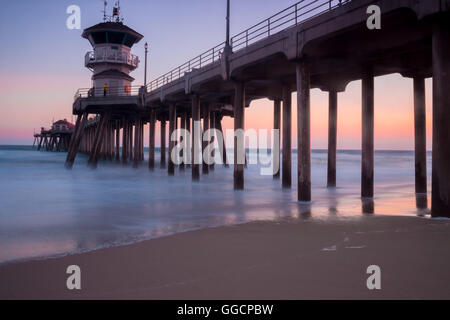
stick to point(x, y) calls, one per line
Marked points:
point(116, 11)
point(104, 10)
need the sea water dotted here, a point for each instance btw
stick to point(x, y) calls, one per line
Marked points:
point(47, 210)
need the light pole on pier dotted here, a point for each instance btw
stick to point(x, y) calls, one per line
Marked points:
point(227, 41)
point(145, 71)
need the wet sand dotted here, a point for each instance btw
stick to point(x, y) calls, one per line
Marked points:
point(292, 258)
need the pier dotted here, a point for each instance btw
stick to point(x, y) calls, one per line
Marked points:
point(312, 44)
point(57, 138)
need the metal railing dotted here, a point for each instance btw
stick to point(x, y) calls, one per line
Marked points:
point(202, 60)
point(300, 12)
point(112, 56)
point(109, 92)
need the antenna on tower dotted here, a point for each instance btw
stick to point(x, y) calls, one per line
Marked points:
point(104, 11)
point(116, 11)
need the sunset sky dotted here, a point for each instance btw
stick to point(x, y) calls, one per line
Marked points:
point(42, 66)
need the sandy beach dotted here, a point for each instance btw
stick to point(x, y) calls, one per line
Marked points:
point(291, 258)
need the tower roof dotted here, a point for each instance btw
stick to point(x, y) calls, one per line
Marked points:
point(112, 32)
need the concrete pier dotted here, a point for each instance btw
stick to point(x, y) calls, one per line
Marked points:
point(239, 143)
point(212, 126)
point(223, 150)
point(367, 161)
point(332, 138)
point(440, 203)
point(195, 136)
point(327, 52)
point(117, 150)
point(151, 136)
point(303, 132)
point(276, 126)
point(205, 137)
point(137, 132)
point(183, 141)
point(420, 135)
point(188, 141)
point(172, 126)
point(125, 141)
point(286, 175)
point(163, 142)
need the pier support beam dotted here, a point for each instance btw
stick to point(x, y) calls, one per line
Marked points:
point(332, 138)
point(212, 126)
point(276, 145)
point(188, 141)
point(287, 138)
point(239, 142)
point(151, 142)
point(137, 143)
point(172, 126)
point(125, 141)
point(75, 141)
point(205, 166)
point(420, 135)
point(195, 134)
point(223, 150)
point(99, 140)
point(163, 143)
point(117, 141)
point(440, 203)
point(367, 161)
point(183, 140)
point(303, 132)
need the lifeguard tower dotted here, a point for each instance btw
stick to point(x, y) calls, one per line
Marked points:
point(111, 60)
point(117, 105)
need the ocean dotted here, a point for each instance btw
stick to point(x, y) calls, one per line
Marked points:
point(47, 210)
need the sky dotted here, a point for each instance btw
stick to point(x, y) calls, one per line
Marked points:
point(42, 66)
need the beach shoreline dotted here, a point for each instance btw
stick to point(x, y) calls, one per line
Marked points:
point(289, 258)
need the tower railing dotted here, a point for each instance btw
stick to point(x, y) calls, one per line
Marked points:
point(112, 56)
point(299, 12)
point(124, 91)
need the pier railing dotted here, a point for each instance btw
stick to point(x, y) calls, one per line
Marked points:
point(124, 91)
point(289, 17)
